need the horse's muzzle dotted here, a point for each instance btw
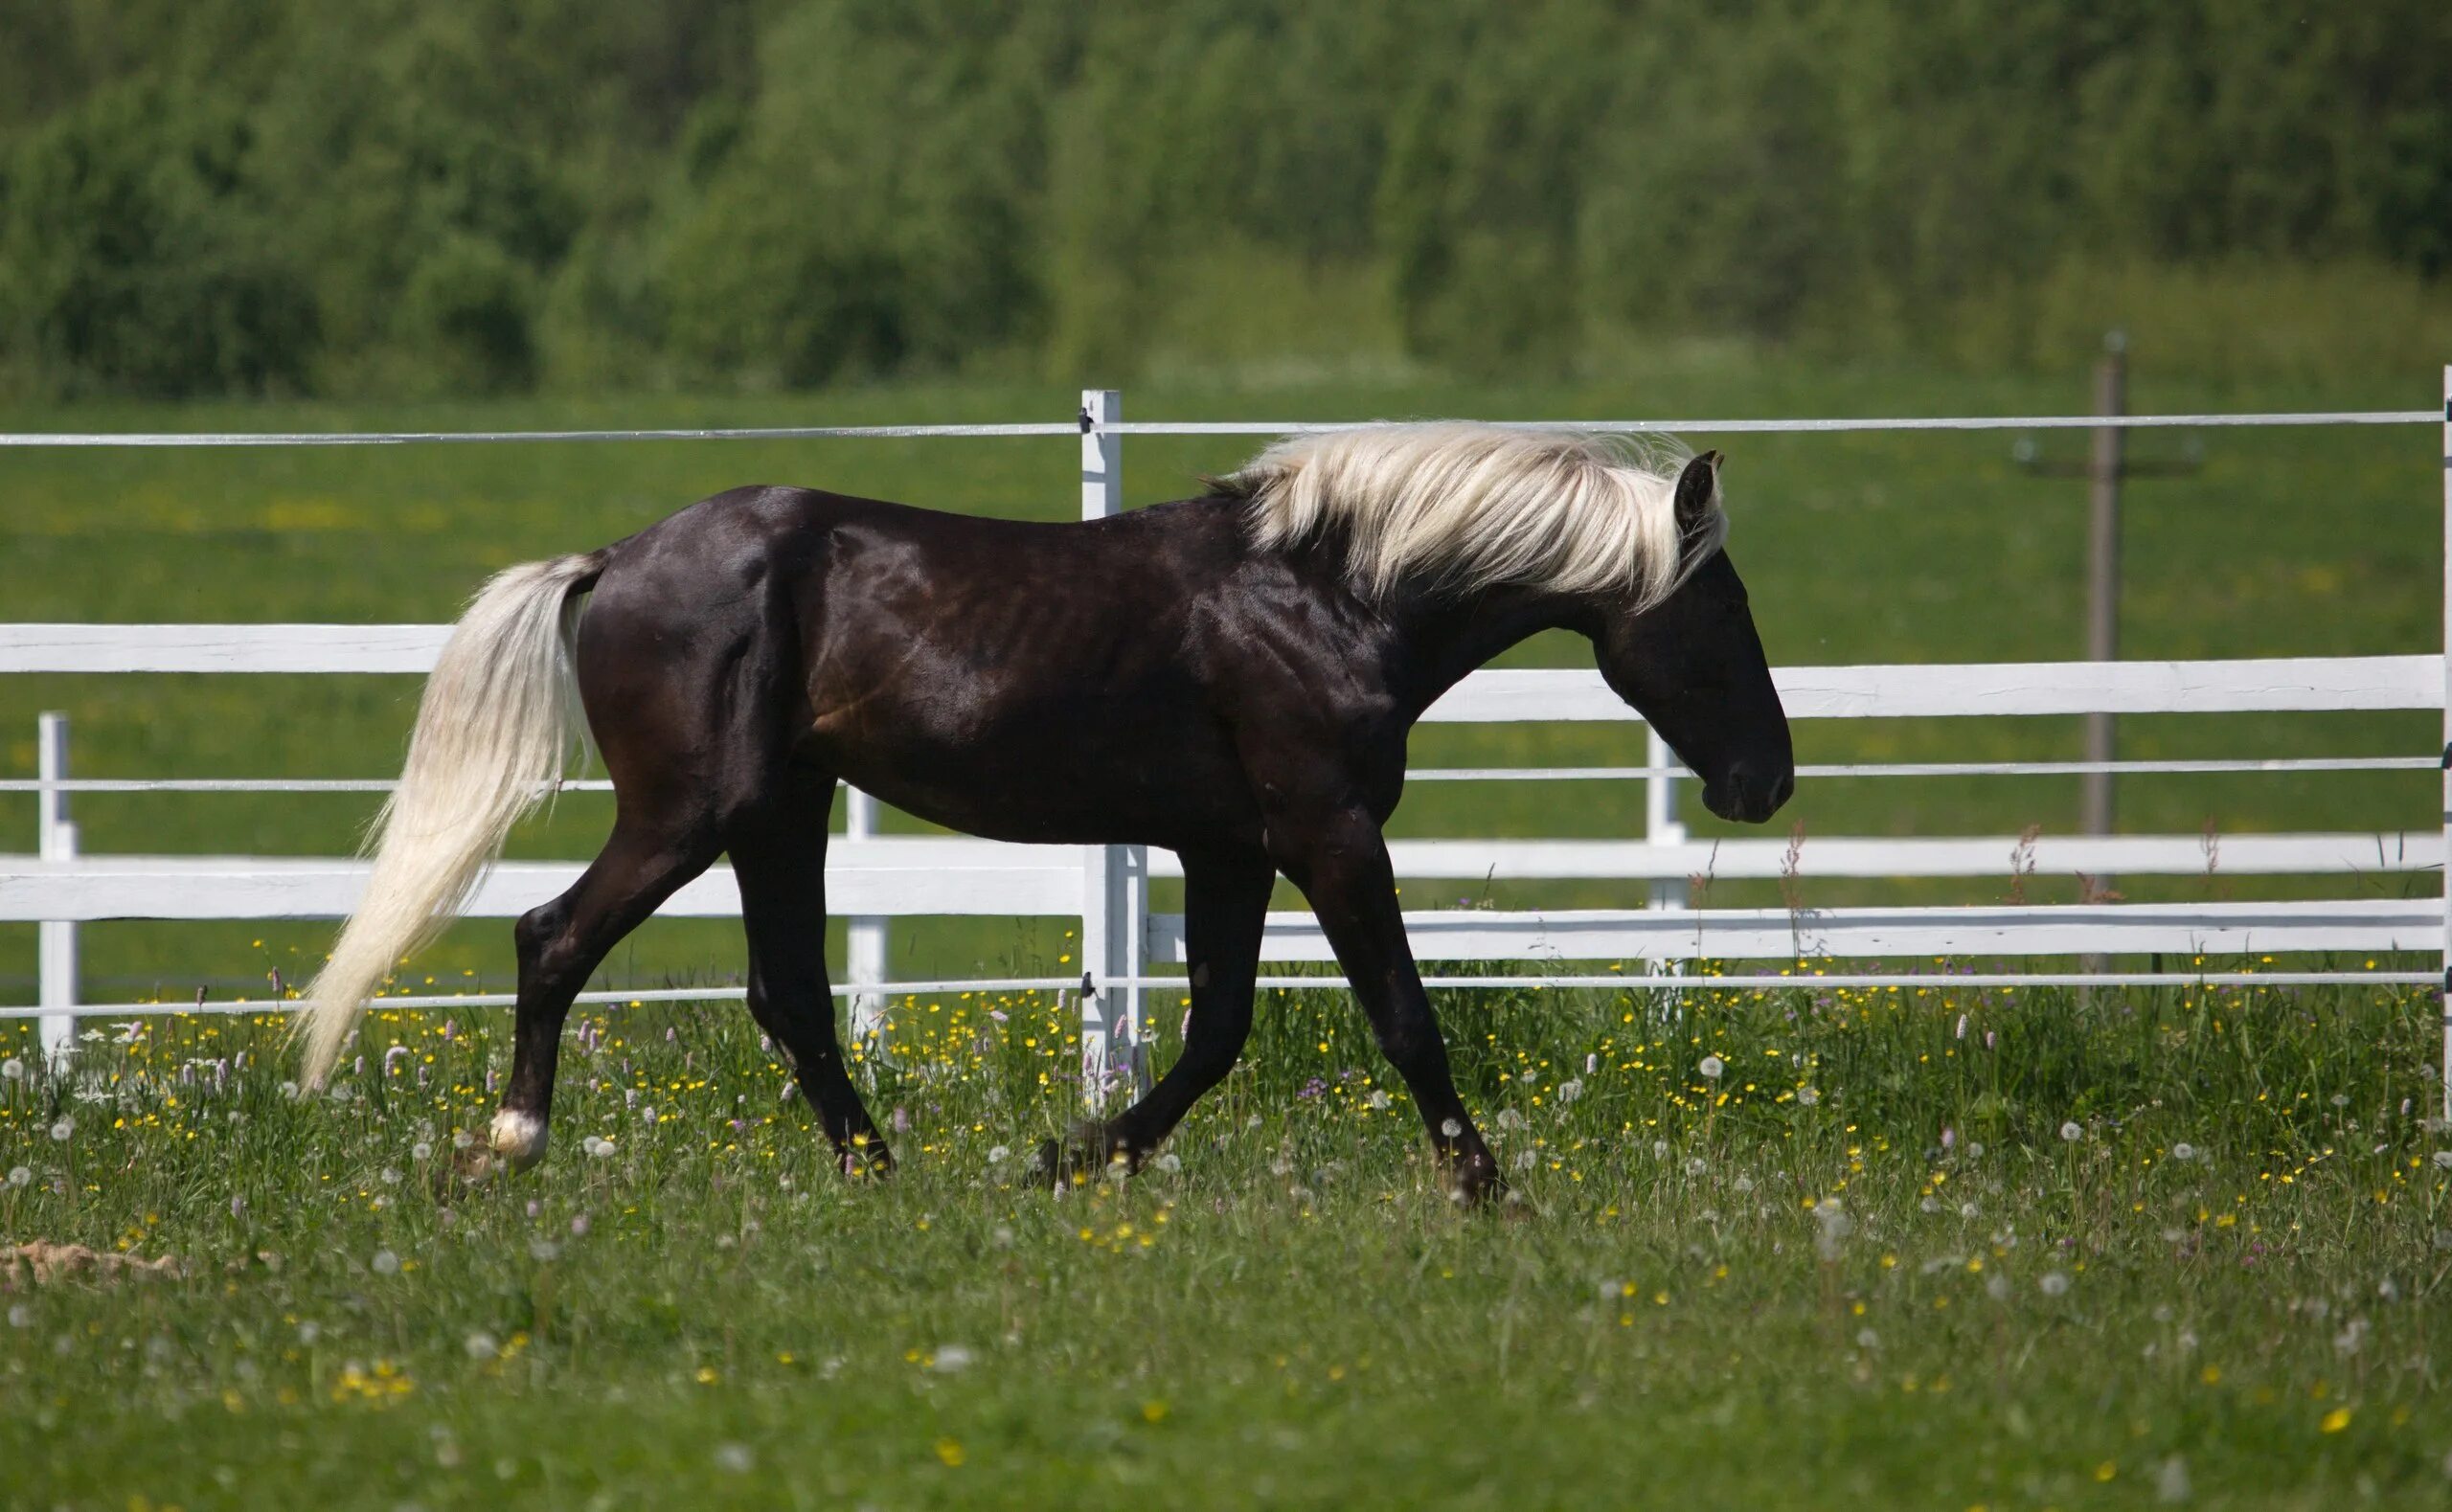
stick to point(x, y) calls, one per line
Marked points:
point(1748, 793)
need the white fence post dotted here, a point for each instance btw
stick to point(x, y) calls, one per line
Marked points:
point(2448, 741)
point(1115, 880)
point(864, 939)
point(55, 840)
point(1661, 823)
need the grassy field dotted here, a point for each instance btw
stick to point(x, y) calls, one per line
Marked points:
point(1941, 1248)
point(1857, 549)
point(1921, 1249)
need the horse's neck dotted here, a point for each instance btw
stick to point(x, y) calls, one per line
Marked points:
point(1447, 640)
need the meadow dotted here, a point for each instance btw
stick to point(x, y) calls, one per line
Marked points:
point(1933, 1249)
point(1930, 1247)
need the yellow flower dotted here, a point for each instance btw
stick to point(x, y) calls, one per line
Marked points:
point(949, 1451)
point(2335, 1420)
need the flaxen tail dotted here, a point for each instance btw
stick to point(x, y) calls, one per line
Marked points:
point(500, 712)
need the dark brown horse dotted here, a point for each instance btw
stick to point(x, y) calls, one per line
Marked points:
point(1232, 677)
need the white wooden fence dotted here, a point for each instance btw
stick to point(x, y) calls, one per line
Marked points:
point(872, 878)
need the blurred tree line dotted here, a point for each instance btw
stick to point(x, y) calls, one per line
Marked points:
point(407, 197)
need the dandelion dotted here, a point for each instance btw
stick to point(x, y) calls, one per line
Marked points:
point(544, 1251)
point(386, 1263)
point(1808, 1097)
point(998, 1154)
point(1712, 1068)
point(949, 1452)
point(1868, 1340)
point(1378, 1100)
point(462, 1138)
point(734, 1459)
point(391, 1176)
point(309, 1331)
point(2183, 1151)
point(1169, 1163)
point(422, 1151)
point(579, 1226)
point(2071, 1132)
point(20, 1176)
point(1660, 1149)
point(597, 1147)
point(951, 1359)
point(1569, 1091)
point(1696, 1166)
point(67, 1126)
point(2335, 1420)
point(1456, 1131)
point(1511, 1120)
point(12, 1070)
point(20, 1315)
point(480, 1346)
point(2054, 1283)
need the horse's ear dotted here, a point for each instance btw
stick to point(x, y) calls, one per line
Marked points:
point(1699, 488)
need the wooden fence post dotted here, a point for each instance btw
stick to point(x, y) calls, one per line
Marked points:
point(55, 840)
point(1114, 879)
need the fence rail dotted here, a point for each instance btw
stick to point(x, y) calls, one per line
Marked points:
point(1125, 946)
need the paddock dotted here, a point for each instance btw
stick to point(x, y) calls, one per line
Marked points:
point(1127, 947)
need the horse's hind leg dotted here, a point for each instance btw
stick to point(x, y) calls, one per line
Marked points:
point(561, 942)
point(779, 856)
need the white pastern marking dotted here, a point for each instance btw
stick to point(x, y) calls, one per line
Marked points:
point(518, 1138)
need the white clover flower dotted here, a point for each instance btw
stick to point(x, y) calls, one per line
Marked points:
point(64, 1129)
point(1712, 1068)
point(1569, 1091)
point(386, 1263)
point(951, 1358)
point(2054, 1283)
point(2072, 1133)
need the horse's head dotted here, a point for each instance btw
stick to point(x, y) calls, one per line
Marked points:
point(1692, 666)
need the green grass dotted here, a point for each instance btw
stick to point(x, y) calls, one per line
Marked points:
point(1861, 547)
point(1913, 1290)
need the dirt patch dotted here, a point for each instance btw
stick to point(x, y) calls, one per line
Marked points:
point(47, 1262)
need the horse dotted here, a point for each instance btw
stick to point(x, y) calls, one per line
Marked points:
point(1231, 676)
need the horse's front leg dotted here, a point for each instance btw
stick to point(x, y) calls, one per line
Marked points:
point(1340, 860)
point(1225, 904)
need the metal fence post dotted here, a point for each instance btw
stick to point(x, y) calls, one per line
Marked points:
point(864, 938)
point(2447, 741)
point(1114, 879)
point(55, 840)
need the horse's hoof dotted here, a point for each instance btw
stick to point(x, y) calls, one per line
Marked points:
point(1474, 1183)
point(1088, 1155)
point(464, 1172)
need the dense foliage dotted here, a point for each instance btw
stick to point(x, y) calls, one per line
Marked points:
point(455, 195)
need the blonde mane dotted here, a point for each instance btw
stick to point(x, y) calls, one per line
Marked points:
point(1451, 506)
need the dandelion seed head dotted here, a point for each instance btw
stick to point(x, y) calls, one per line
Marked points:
point(386, 1263)
point(480, 1346)
point(951, 1359)
point(1712, 1068)
point(12, 1070)
point(734, 1459)
point(2072, 1131)
point(2054, 1283)
point(1808, 1097)
point(2183, 1151)
point(66, 1127)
